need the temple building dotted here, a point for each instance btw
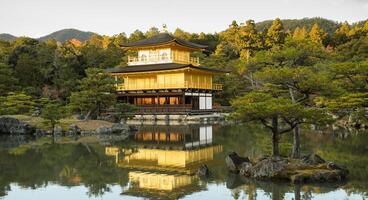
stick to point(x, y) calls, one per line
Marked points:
point(163, 77)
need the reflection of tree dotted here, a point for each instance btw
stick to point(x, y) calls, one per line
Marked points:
point(66, 164)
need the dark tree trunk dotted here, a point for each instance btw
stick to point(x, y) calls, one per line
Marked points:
point(297, 192)
point(53, 134)
point(296, 142)
point(275, 138)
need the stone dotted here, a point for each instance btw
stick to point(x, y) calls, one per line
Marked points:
point(36, 112)
point(246, 169)
point(39, 132)
point(233, 161)
point(268, 168)
point(203, 171)
point(343, 169)
point(119, 128)
point(103, 130)
point(12, 126)
point(58, 130)
point(313, 159)
point(74, 130)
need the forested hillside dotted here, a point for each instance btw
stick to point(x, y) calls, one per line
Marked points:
point(34, 69)
point(67, 34)
point(7, 37)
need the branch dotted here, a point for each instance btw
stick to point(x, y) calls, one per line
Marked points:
point(266, 124)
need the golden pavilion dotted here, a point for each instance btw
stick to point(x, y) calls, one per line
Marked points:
point(163, 77)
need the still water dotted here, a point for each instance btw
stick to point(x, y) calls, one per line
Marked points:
point(160, 162)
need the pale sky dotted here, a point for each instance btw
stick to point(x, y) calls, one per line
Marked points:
point(36, 18)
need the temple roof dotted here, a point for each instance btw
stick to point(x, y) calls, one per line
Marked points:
point(161, 39)
point(159, 67)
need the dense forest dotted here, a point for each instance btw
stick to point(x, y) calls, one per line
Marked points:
point(307, 66)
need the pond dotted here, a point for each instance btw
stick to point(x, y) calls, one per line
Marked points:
point(160, 162)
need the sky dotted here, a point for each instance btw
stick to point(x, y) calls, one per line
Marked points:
point(36, 18)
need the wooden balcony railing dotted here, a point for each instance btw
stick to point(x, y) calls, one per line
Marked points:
point(156, 86)
point(158, 59)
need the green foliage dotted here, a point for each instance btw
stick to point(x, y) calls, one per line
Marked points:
point(16, 103)
point(96, 92)
point(124, 111)
point(259, 106)
point(317, 34)
point(7, 79)
point(275, 34)
point(52, 112)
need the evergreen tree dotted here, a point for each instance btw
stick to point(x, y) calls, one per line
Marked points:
point(16, 103)
point(96, 93)
point(341, 35)
point(249, 40)
point(317, 34)
point(300, 33)
point(152, 32)
point(275, 34)
point(7, 79)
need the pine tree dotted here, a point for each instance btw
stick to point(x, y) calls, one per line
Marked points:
point(275, 34)
point(341, 35)
point(317, 34)
point(249, 39)
point(300, 33)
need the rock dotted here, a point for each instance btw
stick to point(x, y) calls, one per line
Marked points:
point(269, 168)
point(119, 128)
point(74, 130)
point(103, 130)
point(58, 130)
point(36, 112)
point(203, 171)
point(9, 125)
point(318, 176)
point(313, 159)
point(246, 169)
point(233, 161)
point(39, 132)
point(343, 169)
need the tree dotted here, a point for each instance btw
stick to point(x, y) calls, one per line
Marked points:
point(136, 35)
point(7, 79)
point(152, 32)
point(317, 34)
point(52, 112)
point(280, 115)
point(341, 35)
point(275, 34)
point(300, 33)
point(249, 40)
point(96, 92)
point(124, 111)
point(300, 85)
point(16, 103)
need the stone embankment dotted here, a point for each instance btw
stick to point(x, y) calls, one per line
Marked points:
point(13, 126)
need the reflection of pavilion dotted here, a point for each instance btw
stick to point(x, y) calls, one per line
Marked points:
point(163, 160)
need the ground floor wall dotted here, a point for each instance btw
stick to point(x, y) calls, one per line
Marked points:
point(184, 101)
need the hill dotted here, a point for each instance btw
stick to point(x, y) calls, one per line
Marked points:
point(290, 24)
point(67, 34)
point(7, 37)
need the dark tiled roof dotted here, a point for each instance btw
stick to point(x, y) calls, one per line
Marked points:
point(163, 38)
point(158, 67)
